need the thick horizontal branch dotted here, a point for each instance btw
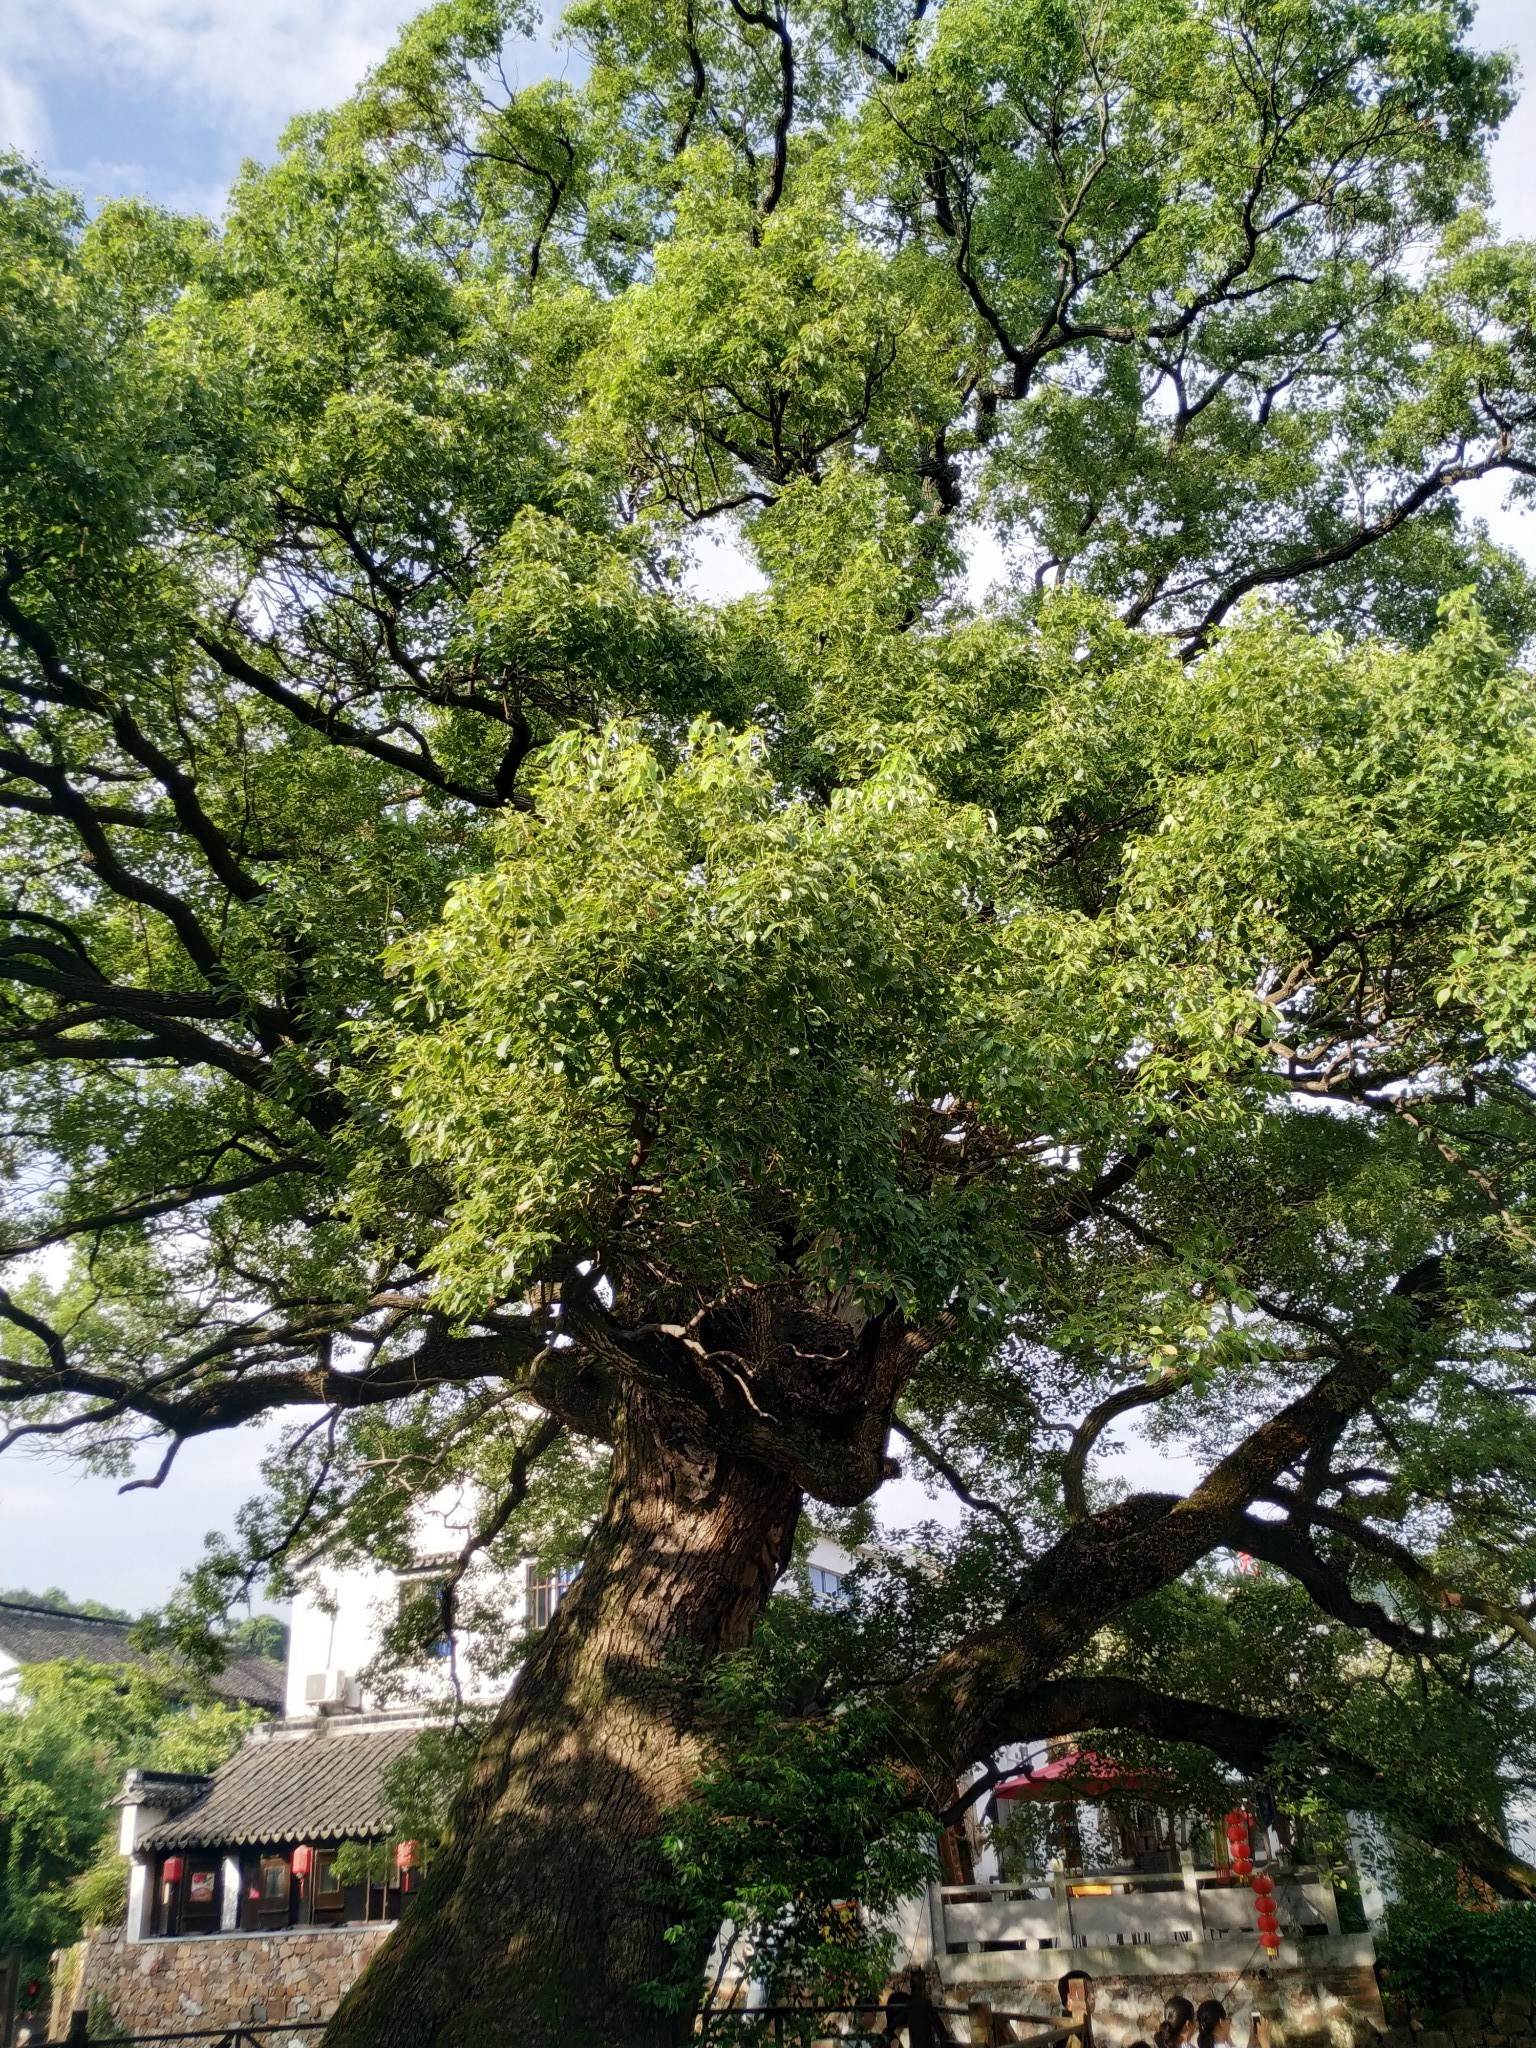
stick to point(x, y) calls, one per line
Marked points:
point(1103, 1564)
point(1281, 1545)
point(212, 1403)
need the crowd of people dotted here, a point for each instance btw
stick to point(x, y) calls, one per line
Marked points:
point(1207, 2025)
point(909, 2018)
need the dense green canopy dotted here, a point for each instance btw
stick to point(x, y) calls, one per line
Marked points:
point(460, 987)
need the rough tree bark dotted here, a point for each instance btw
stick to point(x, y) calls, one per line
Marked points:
point(537, 1925)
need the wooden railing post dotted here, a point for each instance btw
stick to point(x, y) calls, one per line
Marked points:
point(981, 2025)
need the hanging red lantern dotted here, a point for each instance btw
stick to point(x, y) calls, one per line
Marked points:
point(405, 1855)
point(303, 1861)
point(171, 1869)
point(1263, 1883)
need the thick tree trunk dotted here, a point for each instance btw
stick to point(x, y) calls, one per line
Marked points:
point(538, 1925)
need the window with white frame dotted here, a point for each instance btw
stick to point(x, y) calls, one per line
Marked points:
point(827, 1588)
point(546, 1589)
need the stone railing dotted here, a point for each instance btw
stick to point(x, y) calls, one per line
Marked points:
point(1113, 1909)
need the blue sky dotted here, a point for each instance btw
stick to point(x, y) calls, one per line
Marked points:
point(164, 99)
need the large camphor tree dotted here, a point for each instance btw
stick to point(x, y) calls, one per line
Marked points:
point(667, 1064)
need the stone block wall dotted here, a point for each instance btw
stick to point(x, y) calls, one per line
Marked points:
point(1489, 2016)
point(207, 1981)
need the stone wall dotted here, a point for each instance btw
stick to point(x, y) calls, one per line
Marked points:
point(206, 1981)
point(1315, 1994)
point(1498, 2016)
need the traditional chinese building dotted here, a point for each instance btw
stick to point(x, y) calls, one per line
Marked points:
point(242, 1906)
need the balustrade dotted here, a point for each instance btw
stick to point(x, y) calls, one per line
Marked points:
point(1108, 1909)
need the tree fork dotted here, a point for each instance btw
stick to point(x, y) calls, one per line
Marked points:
point(540, 1923)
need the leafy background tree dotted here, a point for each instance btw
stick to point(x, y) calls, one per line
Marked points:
point(59, 1602)
point(659, 1064)
point(63, 1749)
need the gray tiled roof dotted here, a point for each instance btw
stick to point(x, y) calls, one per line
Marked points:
point(169, 1790)
point(37, 1635)
point(320, 1787)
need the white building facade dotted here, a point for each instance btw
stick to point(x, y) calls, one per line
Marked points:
point(341, 1617)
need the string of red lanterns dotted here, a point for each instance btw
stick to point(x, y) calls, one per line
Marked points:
point(1240, 1861)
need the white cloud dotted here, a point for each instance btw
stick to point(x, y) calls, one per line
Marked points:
point(24, 121)
point(1511, 25)
point(220, 59)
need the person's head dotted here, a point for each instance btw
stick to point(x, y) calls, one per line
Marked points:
point(1178, 2024)
point(1075, 1990)
point(1211, 2023)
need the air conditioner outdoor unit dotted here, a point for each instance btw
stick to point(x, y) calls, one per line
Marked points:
point(327, 1689)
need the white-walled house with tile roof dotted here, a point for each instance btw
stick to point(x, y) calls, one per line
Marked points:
point(34, 1634)
point(252, 1847)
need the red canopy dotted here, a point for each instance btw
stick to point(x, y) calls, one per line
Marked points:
point(1080, 1774)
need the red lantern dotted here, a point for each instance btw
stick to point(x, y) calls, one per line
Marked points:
point(1263, 1883)
point(303, 1861)
point(1242, 1866)
point(405, 1855)
point(171, 1870)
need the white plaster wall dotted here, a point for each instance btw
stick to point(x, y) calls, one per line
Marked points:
point(334, 1626)
point(1522, 1828)
point(340, 1616)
